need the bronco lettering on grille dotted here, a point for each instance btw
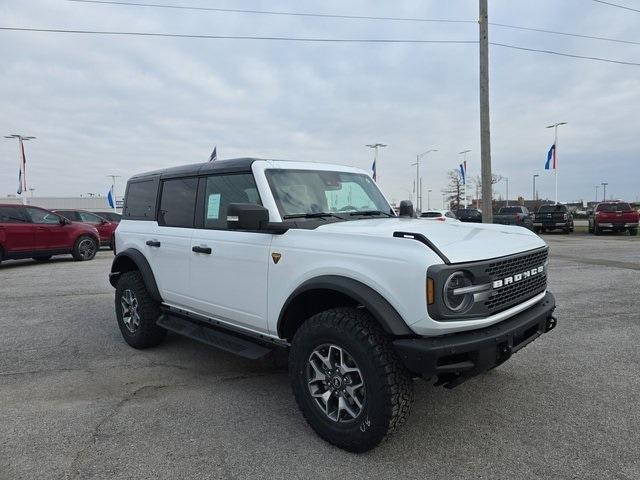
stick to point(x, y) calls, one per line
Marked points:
point(517, 277)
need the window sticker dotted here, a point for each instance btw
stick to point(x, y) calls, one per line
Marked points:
point(213, 206)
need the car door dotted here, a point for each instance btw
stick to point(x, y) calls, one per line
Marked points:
point(228, 279)
point(168, 247)
point(17, 234)
point(51, 233)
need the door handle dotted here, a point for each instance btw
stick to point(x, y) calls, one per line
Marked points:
point(153, 243)
point(197, 249)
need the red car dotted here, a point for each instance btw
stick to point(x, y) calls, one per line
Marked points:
point(615, 216)
point(32, 232)
point(105, 228)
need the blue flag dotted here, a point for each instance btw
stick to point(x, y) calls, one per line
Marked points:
point(214, 155)
point(551, 154)
point(463, 174)
point(19, 191)
point(110, 199)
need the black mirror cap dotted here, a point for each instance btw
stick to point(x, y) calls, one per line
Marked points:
point(406, 209)
point(247, 216)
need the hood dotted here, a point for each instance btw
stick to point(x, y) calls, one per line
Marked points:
point(458, 241)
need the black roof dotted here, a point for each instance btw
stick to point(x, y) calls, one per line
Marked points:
point(219, 166)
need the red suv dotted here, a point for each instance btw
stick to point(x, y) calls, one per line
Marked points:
point(106, 228)
point(32, 232)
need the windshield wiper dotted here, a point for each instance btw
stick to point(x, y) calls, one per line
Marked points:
point(312, 215)
point(371, 213)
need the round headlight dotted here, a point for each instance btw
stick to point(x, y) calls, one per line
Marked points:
point(458, 303)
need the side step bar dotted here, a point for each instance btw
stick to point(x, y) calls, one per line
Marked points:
point(213, 336)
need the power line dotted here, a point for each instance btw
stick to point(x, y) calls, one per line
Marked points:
point(617, 6)
point(351, 17)
point(235, 37)
point(271, 12)
point(307, 39)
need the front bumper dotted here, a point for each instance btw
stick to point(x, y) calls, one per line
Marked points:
point(456, 357)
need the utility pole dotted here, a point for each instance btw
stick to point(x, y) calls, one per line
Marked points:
point(418, 179)
point(555, 152)
point(22, 188)
point(604, 191)
point(429, 199)
point(374, 167)
point(485, 130)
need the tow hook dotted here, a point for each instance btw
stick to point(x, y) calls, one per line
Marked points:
point(551, 323)
point(505, 352)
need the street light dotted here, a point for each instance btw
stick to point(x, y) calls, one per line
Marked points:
point(23, 163)
point(555, 151)
point(597, 187)
point(464, 152)
point(533, 197)
point(429, 199)
point(604, 192)
point(375, 147)
point(507, 200)
point(418, 183)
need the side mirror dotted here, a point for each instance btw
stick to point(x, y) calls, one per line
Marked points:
point(247, 216)
point(406, 209)
point(64, 221)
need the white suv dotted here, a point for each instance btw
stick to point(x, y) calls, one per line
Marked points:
point(254, 255)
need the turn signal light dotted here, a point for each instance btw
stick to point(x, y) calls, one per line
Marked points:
point(431, 298)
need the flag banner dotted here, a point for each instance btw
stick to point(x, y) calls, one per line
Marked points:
point(19, 191)
point(110, 199)
point(214, 155)
point(463, 173)
point(551, 154)
point(373, 170)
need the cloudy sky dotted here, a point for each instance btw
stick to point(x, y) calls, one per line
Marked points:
point(103, 105)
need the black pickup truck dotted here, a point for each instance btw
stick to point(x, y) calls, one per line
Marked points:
point(553, 217)
point(516, 215)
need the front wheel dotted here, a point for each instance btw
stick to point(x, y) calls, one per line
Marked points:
point(137, 312)
point(348, 382)
point(85, 248)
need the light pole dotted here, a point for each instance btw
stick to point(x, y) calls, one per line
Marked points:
point(464, 162)
point(507, 199)
point(604, 191)
point(22, 177)
point(31, 189)
point(597, 187)
point(533, 197)
point(429, 199)
point(555, 152)
point(374, 167)
point(418, 180)
point(443, 200)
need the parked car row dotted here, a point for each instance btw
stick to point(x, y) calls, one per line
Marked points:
point(34, 232)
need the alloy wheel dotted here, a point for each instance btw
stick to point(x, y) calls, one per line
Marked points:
point(130, 314)
point(87, 248)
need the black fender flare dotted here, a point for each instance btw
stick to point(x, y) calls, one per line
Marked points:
point(122, 263)
point(384, 313)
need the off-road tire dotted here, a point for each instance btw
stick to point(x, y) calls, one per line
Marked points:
point(388, 385)
point(633, 232)
point(596, 230)
point(42, 258)
point(77, 253)
point(147, 334)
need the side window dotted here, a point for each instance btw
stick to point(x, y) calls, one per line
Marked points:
point(12, 215)
point(89, 217)
point(42, 216)
point(222, 190)
point(178, 202)
point(140, 200)
point(71, 215)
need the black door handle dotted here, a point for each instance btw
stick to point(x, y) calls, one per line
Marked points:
point(197, 249)
point(153, 243)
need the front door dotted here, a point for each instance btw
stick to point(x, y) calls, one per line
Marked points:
point(228, 278)
point(51, 234)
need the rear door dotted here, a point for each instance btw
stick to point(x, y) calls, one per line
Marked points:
point(228, 278)
point(51, 234)
point(17, 234)
point(104, 229)
point(169, 246)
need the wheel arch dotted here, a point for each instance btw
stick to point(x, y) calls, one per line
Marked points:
point(131, 260)
point(329, 291)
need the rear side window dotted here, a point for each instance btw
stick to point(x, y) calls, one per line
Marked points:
point(222, 190)
point(70, 214)
point(140, 200)
point(12, 215)
point(42, 216)
point(89, 217)
point(178, 202)
point(613, 207)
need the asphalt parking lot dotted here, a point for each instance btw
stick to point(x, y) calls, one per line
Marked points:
point(77, 402)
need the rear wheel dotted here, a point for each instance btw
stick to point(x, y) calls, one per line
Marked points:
point(85, 248)
point(347, 380)
point(137, 312)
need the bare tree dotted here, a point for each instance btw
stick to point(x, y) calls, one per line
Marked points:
point(495, 178)
point(454, 189)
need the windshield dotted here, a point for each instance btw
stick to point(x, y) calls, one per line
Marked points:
point(614, 207)
point(302, 192)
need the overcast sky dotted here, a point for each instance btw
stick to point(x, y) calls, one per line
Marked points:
point(122, 105)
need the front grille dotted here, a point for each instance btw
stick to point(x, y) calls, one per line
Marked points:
point(517, 292)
